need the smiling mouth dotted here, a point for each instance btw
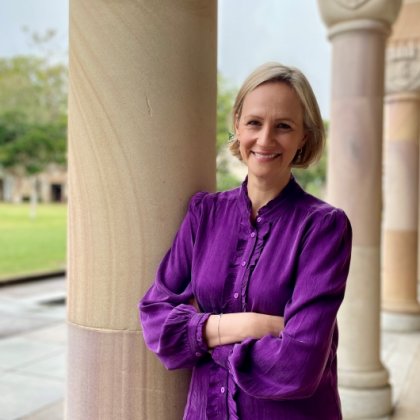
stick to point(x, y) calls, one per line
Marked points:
point(265, 156)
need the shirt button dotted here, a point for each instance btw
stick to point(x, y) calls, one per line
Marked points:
point(259, 219)
point(243, 263)
point(253, 235)
point(222, 389)
point(198, 354)
point(236, 295)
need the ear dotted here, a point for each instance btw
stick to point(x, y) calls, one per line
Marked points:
point(236, 123)
point(304, 139)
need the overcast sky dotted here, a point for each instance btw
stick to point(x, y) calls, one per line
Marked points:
point(250, 33)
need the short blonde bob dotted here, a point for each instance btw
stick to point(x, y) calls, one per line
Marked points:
point(312, 120)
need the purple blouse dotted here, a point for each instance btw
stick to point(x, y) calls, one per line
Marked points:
point(293, 262)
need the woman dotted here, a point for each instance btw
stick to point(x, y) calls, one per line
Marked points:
point(249, 291)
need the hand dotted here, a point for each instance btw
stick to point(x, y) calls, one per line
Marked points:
point(274, 325)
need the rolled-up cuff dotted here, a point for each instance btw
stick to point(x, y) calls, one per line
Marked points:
point(196, 339)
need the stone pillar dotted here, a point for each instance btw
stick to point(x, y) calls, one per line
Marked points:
point(142, 112)
point(401, 310)
point(358, 30)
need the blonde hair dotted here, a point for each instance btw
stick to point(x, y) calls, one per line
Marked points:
point(312, 121)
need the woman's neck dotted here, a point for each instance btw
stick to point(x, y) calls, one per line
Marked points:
point(261, 191)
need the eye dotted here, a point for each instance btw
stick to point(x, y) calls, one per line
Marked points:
point(253, 122)
point(284, 126)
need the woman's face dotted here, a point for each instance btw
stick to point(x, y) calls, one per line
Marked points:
point(270, 131)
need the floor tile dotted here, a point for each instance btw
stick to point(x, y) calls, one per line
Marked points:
point(54, 411)
point(52, 366)
point(18, 351)
point(21, 394)
point(54, 333)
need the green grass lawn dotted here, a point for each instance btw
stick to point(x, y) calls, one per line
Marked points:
point(31, 246)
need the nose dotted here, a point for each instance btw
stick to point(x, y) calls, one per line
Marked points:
point(266, 136)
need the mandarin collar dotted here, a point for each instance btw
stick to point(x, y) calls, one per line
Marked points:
point(273, 208)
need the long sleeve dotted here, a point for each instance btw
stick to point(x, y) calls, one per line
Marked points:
point(172, 328)
point(291, 366)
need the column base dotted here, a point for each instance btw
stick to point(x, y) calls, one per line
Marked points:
point(111, 375)
point(366, 404)
point(400, 322)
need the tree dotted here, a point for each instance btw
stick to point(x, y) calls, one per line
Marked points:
point(33, 87)
point(33, 112)
point(30, 146)
point(225, 98)
point(27, 148)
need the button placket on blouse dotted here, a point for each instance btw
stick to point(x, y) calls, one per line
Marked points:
point(241, 282)
point(249, 250)
point(247, 256)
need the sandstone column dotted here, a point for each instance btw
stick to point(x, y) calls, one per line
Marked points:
point(141, 141)
point(401, 310)
point(358, 30)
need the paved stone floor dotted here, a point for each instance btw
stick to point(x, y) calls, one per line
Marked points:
point(401, 355)
point(33, 348)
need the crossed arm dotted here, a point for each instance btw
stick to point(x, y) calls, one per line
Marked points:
point(235, 327)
